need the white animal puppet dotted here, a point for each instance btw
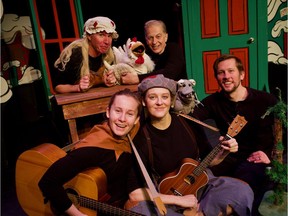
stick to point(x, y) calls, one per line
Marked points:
point(186, 98)
point(131, 58)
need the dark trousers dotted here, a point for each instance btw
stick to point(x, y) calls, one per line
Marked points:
point(255, 175)
point(252, 173)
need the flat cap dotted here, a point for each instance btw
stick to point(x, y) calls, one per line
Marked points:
point(157, 81)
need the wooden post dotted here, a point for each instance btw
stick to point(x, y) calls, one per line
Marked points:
point(277, 153)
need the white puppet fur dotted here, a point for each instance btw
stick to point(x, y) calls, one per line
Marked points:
point(131, 58)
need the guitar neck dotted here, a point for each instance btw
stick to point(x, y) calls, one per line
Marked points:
point(102, 207)
point(208, 159)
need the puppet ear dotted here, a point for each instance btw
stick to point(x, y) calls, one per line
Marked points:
point(193, 82)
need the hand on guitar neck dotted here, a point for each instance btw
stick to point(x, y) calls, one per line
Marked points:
point(191, 176)
point(227, 145)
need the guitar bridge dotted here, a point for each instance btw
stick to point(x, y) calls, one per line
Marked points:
point(175, 192)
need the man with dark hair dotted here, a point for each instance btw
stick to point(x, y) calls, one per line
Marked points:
point(256, 139)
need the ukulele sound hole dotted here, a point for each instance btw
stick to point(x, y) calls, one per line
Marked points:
point(189, 179)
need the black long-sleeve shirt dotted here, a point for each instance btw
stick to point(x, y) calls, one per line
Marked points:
point(170, 147)
point(71, 74)
point(170, 63)
point(257, 133)
point(51, 184)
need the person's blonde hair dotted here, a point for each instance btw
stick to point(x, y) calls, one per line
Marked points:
point(65, 55)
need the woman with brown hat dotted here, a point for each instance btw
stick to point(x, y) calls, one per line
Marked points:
point(164, 141)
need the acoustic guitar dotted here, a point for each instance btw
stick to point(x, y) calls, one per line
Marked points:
point(83, 190)
point(191, 176)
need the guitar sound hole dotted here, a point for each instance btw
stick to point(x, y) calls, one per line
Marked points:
point(189, 179)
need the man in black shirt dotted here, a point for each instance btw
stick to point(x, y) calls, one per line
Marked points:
point(256, 139)
point(168, 57)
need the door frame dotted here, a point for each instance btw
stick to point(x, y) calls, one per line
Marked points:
point(192, 32)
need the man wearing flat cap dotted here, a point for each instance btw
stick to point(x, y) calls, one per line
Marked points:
point(80, 65)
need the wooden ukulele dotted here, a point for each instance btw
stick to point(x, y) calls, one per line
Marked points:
point(84, 189)
point(191, 176)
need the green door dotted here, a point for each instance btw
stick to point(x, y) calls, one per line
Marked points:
point(215, 27)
